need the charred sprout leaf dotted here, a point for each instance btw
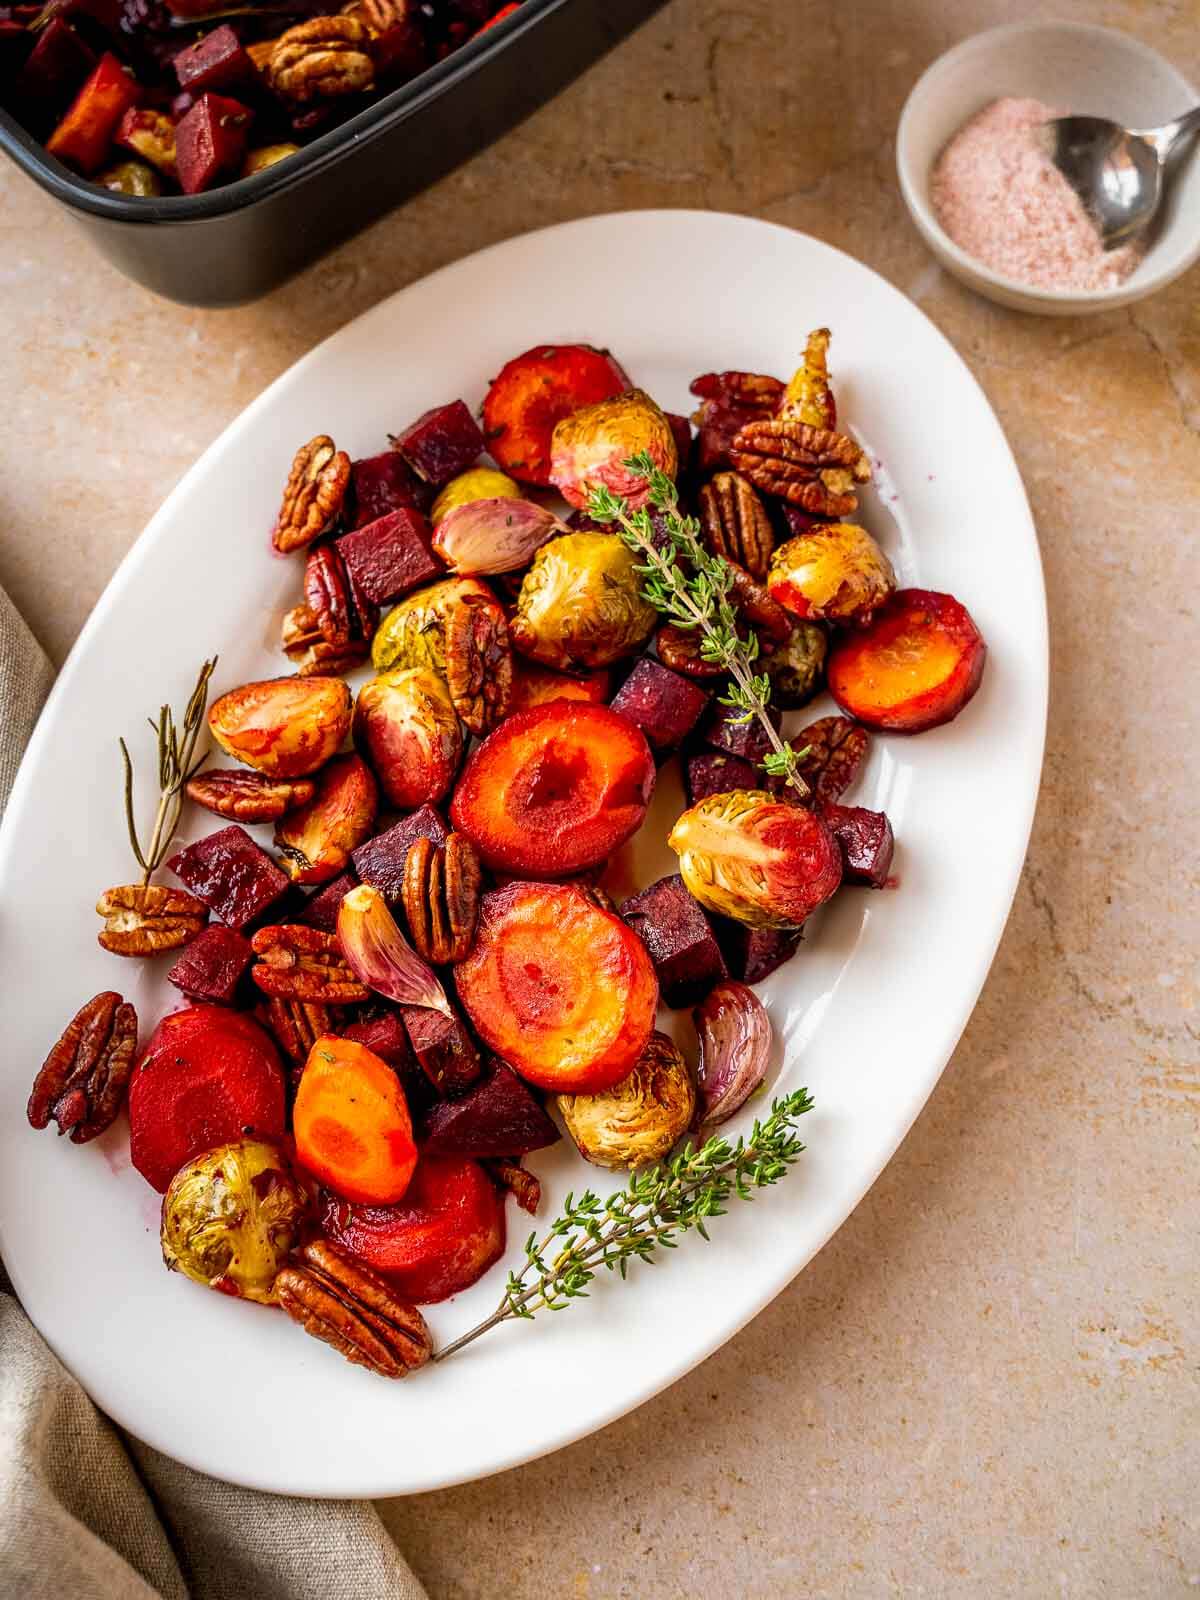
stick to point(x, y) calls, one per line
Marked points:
point(691, 587)
point(176, 747)
point(656, 1207)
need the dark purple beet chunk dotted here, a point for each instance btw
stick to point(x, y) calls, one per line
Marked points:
point(383, 483)
point(498, 1116)
point(215, 62)
point(391, 555)
point(752, 954)
point(441, 443)
point(399, 53)
point(231, 874)
point(387, 1037)
point(713, 772)
point(680, 939)
point(322, 910)
point(866, 841)
point(664, 705)
point(212, 965)
point(681, 430)
point(380, 861)
point(747, 739)
point(448, 1055)
point(54, 70)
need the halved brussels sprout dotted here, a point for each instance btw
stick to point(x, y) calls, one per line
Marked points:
point(591, 448)
point(231, 1216)
point(413, 634)
point(795, 667)
point(640, 1118)
point(581, 604)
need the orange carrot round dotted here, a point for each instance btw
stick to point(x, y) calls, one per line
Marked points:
point(351, 1123)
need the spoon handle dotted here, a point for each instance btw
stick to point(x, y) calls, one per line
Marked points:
point(1172, 134)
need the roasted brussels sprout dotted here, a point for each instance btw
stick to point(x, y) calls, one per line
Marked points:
point(795, 667)
point(835, 573)
point(581, 604)
point(130, 177)
point(808, 397)
point(406, 726)
point(591, 447)
point(640, 1118)
point(477, 483)
point(231, 1216)
point(413, 634)
point(760, 860)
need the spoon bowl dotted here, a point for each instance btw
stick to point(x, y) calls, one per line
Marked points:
point(1117, 172)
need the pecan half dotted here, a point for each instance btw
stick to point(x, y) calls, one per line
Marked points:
point(344, 617)
point(837, 749)
point(320, 59)
point(351, 1308)
point(300, 963)
point(83, 1080)
point(734, 523)
point(813, 468)
point(380, 15)
point(758, 606)
point(679, 649)
point(315, 489)
point(479, 669)
point(440, 895)
point(296, 1025)
point(520, 1183)
point(248, 796)
point(310, 653)
point(140, 919)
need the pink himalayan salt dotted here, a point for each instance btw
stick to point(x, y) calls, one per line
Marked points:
point(1003, 201)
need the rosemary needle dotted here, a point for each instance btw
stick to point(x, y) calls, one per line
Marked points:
point(176, 747)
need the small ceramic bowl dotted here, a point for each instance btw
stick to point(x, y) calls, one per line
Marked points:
point(1083, 69)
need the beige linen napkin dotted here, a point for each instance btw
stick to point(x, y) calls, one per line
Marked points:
point(87, 1514)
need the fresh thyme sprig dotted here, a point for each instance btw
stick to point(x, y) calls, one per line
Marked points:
point(656, 1206)
point(697, 598)
point(176, 746)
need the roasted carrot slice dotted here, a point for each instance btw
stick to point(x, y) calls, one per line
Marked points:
point(536, 390)
point(351, 1123)
point(914, 667)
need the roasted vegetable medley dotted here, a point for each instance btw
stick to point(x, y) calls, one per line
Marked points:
point(152, 97)
point(392, 997)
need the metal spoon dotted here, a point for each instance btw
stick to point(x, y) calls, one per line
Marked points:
point(1117, 172)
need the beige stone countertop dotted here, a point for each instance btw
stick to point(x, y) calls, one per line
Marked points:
point(986, 1384)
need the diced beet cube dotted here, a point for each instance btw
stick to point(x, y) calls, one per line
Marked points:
point(441, 443)
point(680, 939)
point(322, 910)
point(399, 53)
point(231, 874)
point(498, 1116)
point(866, 841)
point(681, 431)
point(388, 557)
point(746, 738)
point(84, 136)
point(714, 772)
point(212, 965)
point(380, 861)
point(448, 1055)
point(210, 140)
point(386, 1035)
point(53, 71)
point(217, 61)
point(383, 483)
point(664, 705)
point(752, 954)
point(797, 521)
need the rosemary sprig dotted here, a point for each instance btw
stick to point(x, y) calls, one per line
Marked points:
point(176, 746)
point(656, 1206)
point(697, 597)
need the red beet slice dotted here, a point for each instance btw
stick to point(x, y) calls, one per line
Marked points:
point(380, 861)
point(499, 1116)
point(383, 483)
point(444, 1234)
point(664, 705)
point(388, 557)
point(714, 772)
point(448, 1054)
point(866, 841)
point(215, 62)
point(680, 940)
point(322, 910)
point(211, 140)
point(234, 877)
point(212, 965)
point(441, 443)
point(208, 1076)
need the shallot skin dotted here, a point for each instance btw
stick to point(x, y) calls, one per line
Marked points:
point(735, 1040)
